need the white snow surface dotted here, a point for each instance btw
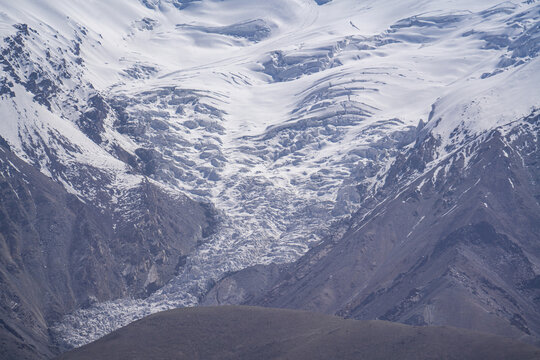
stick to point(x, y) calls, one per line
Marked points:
point(276, 111)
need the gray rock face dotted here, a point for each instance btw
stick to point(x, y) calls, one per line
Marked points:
point(59, 253)
point(243, 286)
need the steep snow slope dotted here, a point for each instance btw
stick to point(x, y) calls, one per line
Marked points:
point(284, 114)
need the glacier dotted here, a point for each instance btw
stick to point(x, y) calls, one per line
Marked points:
point(285, 115)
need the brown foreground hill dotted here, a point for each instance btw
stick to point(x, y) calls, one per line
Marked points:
point(240, 332)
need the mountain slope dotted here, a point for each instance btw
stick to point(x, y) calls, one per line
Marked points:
point(60, 253)
point(249, 333)
point(458, 245)
point(288, 117)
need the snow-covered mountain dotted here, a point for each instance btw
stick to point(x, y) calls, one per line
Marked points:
point(286, 117)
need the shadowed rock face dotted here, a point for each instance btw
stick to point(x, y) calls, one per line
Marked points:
point(459, 245)
point(258, 333)
point(243, 286)
point(59, 253)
